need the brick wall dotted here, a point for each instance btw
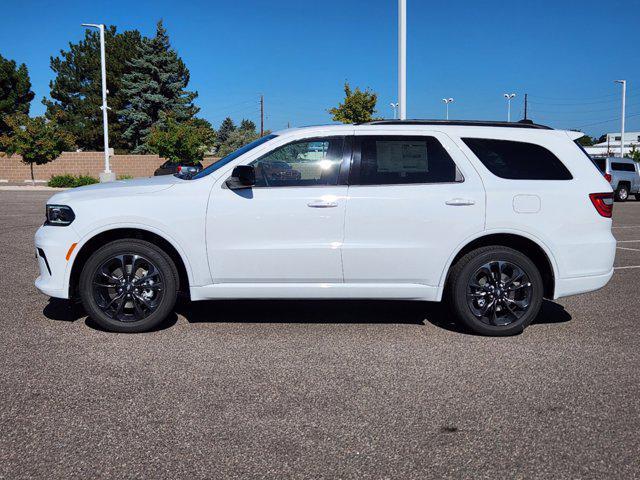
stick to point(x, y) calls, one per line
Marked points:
point(12, 170)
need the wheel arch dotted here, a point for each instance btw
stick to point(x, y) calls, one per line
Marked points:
point(106, 236)
point(532, 248)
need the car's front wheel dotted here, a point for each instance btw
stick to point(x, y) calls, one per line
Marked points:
point(128, 285)
point(495, 290)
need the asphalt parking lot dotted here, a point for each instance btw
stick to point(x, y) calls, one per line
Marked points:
point(316, 389)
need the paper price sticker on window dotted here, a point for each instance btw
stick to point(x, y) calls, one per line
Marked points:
point(402, 157)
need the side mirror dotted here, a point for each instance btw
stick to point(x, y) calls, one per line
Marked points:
point(243, 176)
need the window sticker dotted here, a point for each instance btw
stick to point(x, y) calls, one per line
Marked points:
point(402, 157)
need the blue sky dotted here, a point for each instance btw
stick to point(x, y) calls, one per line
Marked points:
point(298, 54)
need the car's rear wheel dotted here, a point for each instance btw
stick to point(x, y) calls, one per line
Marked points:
point(128, 285)
point(622, 193)
point(495, 290)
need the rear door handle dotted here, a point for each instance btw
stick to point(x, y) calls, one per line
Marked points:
point(322, 204)
point(460, 202)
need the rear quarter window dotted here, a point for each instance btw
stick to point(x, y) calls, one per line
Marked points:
point(518, 160)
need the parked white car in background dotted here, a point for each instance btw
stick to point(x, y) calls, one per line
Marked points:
point(491, 216)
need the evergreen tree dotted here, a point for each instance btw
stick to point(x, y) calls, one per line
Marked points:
point(358, 106)
point(15, 91)
point(247, 125)
point(236, 139)
point(154, 87)
point(226, 127)
point(76, 92)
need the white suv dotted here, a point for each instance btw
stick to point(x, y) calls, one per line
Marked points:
point(491, 216)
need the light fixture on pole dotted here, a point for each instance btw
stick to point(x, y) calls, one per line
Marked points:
point(447, 101)
point(624, 100)
point(509, 96)
point(395, 110)
point(107, 175)
point(402, 59)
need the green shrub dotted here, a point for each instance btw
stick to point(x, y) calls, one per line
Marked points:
point(125, 177)
point(85, 180)
point(71, 181)
point(62, 181)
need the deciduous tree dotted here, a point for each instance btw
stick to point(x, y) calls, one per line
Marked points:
point(181, 142)
point(358, 106)
point(38, 140)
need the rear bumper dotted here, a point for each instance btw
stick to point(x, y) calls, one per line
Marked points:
point(577, 285)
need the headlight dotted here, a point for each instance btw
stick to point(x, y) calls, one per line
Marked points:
point(59, 215)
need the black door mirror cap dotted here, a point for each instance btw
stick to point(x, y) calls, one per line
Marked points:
point(243, 176)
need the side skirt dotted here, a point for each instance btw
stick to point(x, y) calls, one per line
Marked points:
point(386, 291)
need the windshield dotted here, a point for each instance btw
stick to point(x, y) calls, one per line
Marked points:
point(233, 155)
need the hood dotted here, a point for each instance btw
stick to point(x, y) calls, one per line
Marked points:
point(139, 186)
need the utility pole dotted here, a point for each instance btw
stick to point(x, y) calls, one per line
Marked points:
point(402, 59)
point(624, 100)
point(107, 175)
point(261, 115)
point(526, 104)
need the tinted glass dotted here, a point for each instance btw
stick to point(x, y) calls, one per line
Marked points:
point(232, 156)
point(388, 160)
point(518, 160)
point(622, 167)
point(309, 162)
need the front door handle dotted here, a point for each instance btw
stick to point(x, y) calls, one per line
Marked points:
point(460, 202)
point(322, 204)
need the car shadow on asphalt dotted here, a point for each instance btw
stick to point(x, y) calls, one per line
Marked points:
point(342, 311)
point(307, 311)
point(70, 311)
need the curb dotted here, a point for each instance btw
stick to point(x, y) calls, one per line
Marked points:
point(30, 188)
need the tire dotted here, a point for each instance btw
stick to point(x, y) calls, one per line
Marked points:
point(622, 193)
point(470, 284)
point(136, 298)
point(638, 196)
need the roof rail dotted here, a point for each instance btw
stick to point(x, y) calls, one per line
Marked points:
point(462, 123)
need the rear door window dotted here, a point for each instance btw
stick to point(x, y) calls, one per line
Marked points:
point(388, 160)
point(518, 160)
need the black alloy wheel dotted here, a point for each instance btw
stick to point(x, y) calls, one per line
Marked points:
point(128, 285)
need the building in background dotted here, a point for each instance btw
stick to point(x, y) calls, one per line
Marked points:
point(611, 147)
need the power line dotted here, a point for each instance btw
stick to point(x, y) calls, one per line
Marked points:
point(610, 120)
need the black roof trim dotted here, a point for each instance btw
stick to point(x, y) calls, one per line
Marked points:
point(461, 123)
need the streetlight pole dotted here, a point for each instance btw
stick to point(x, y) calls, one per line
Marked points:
point(447, 101)
point(395, 110)
point(107, 175)
point(624, 101)
point(402, 59)
point(509, 96)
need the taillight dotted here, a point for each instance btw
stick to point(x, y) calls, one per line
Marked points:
point(179, 168)
point(607, 177)
point(603, 203)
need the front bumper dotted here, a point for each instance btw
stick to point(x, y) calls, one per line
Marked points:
point(52, 245)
